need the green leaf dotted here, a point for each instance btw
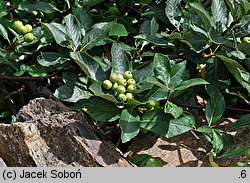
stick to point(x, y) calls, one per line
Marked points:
point(96, 34)
point(101, 110)
point(118, 30)
point(71, 93)
point(120, 62)
point(73, 29)
point(235, 151)
point(243, 121)
point(172, 11)
point(157, 93)
point(204, 129)
point(89, 65)
point(145, 160)
point(4, 114)
point(90, 3)
point(177, 72)
point(173, 109)
point(37, 5)
point(154, 81)
point(84, 17)
point(4, 33)
point(164, 124)
point(58, 32)
point(189, 83)
point(215, 106)
point(96, 88)
point(234, 67)
point(48, 59)
point(217, 141)
point(219, 12)
point(203, 13)
point(130, 124)
point(162, 68)
point(217, 74)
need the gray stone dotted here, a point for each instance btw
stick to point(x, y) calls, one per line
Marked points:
point(47, 133)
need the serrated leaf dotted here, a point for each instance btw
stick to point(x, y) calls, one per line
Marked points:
point(215, 106)
point(164, 124)
point(243, 121)
point(189, 83)
point(101, 110)
point(120, 62)
point(130, 124)
point(173, 109)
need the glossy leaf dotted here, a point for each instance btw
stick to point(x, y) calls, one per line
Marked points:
point(164, 124)
point(189, 83)
point(215, 106)
point(120, 62)
point(37, 5)
point(243, 121)
point(130, 124)
point(236, 151)
point(217, 142)
point(173, 109)
point(145, 160)
point(219, 12)
point(101, 110)
point(118, 30)
point(90, 3)
point(47, 59)
point(172, 11)
point(4, 32)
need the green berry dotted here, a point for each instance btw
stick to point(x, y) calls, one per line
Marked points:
point(107, 84)
point(246, 40)
point(113, 77)
point(120, 77)
point(122, 97)
point(248, 154)
point(28, 28)
point(129, 96)
point(131, 88)
point(29, 37)
point(121, 89)
point(17, 24)
point(34, 13)
point(128, 75)
point(22, 30)
point(113, 10)
point(131, 81)
point(122, 82)
point(115, 85)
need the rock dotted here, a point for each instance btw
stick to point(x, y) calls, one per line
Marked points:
point(47, 133)
point(180, 151)
point(2, 163)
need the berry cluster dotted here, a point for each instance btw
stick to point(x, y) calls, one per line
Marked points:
point(24, 30)
point(123, 85)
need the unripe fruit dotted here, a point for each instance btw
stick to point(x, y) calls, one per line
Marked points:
point(113, 10)
point(129, 96)
point(28, 28)
point(29, 37)
point(131, 82)
point(21, 30)
point(34, 13)
point(248, 154)
point(131, 88)
point(121, 89)
point(113, 77)
point(17, 24)
point(107, 84)
point(115, 85)
point(122, 82)
point(127, 75)
point(120, 77)
point(122, 97)
point(246, 39)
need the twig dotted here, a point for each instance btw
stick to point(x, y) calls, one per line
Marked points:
point(9, 9)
